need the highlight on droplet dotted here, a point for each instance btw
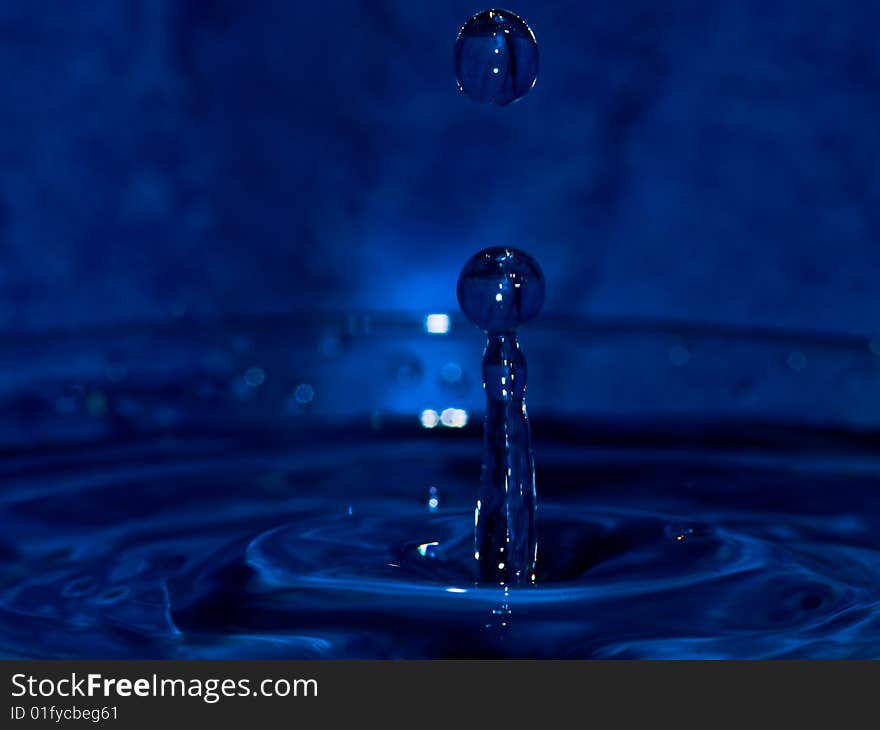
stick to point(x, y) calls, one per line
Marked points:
point(425, 547)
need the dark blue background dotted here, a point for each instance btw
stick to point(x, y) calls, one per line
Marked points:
point(711, 161)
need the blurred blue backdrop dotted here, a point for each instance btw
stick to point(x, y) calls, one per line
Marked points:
point(707, 161)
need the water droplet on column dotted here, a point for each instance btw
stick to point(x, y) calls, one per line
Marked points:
point(500, 289)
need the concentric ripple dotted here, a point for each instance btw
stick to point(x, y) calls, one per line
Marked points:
point(208, 546)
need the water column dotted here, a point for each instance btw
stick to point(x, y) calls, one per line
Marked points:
point(499, 290)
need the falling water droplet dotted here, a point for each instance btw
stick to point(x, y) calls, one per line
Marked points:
point(496, 57)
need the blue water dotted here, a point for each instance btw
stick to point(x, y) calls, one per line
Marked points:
point(204, 508)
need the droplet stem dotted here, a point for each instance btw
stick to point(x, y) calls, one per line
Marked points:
point(506, 539)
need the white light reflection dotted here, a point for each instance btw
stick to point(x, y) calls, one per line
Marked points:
point(437, 324)
point(454, 417)
point(429, 418)
point(456, 590)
